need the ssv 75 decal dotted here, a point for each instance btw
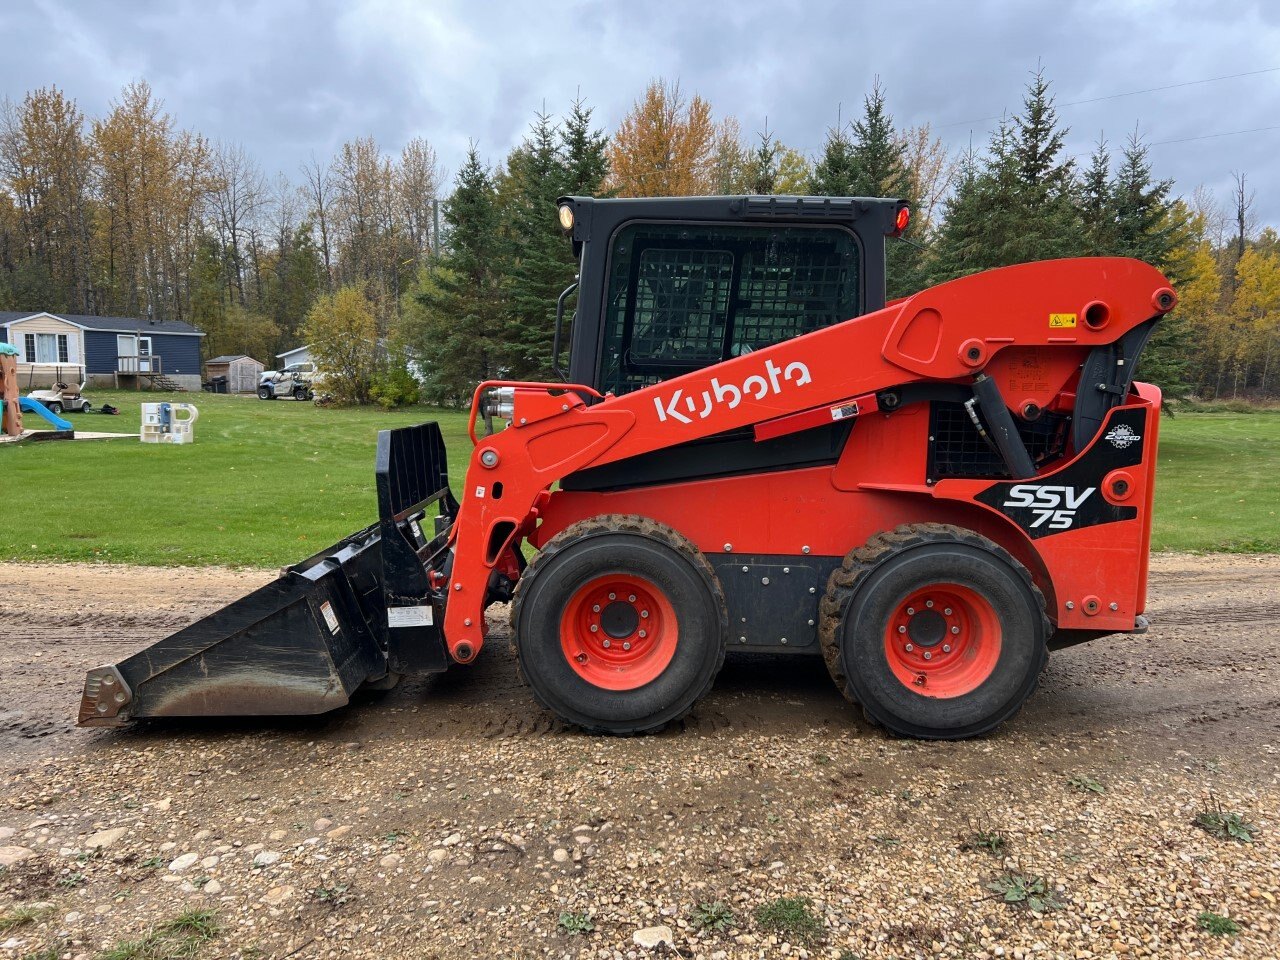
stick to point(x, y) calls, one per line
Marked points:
point(1071, 498)
point(1054, 506)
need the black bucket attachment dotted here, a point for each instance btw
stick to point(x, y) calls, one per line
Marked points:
point(362, 611)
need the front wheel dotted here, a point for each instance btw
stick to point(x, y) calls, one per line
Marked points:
point(620, 625)
point(264, 393)
point(53, 406)
point(300, 393)
point(936, 631)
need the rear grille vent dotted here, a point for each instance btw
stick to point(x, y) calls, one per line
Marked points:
point(958, 450)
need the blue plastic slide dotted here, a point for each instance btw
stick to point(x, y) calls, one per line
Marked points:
point(27, 405)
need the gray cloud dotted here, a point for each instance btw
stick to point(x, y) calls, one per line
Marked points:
point(291, 79)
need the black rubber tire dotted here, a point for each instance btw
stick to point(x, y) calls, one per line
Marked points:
point(628, 545)
point(54, 407)
point(863, 593)
point(300, 393)
point(87, 408)
point(264, 393)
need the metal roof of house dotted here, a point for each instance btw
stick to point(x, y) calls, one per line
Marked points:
point(231, 357)
point(108, 324)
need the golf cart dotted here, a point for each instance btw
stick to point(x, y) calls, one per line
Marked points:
point(63, 396)
point(297, 380)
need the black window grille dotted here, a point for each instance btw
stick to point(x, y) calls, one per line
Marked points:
point(681, 298)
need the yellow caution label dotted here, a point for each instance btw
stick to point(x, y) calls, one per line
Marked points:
point(1059, 320)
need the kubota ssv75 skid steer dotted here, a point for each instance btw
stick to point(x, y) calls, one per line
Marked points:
point(751, 450)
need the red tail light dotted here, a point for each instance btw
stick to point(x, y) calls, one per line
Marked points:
point(904, 217)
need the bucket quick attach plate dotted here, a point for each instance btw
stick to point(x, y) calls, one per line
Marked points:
point(304, 643)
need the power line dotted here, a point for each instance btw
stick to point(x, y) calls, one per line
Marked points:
point(1212, 136)
point(1129, 93)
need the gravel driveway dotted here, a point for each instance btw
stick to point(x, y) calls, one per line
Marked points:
point(452, 818)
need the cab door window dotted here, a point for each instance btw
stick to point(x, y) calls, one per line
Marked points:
point(681, 298)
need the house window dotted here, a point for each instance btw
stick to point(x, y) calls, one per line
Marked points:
point(29, 345)
point(49, 348)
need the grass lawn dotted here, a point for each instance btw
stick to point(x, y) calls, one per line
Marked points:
point(267, 484)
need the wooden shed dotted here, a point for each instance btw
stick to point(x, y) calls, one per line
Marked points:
point(242, 373)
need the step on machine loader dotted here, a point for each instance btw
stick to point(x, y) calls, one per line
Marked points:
point(750, 450)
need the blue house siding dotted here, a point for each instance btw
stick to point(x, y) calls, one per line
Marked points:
point(178, 354)
point(99, 352)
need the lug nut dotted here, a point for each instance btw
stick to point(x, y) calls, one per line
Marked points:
point(911, 611)
point(955, 629)
point(595, 628)
point(626, 646)
point(902, 629)
point(928, 655)
point(613, 596)
point(645, 613)
point(910, 647)
point(607, 644)
point(632, 598)
point(929, 604)
point(642, 635)
point(581, 658)
point(947, 611)
point(946, 648)
point(595, 608)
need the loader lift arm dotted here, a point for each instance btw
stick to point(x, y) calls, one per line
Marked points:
point(954, 333)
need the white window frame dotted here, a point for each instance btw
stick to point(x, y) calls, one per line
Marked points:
point(29, 347)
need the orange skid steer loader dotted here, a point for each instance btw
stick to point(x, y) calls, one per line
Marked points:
point(751, 450)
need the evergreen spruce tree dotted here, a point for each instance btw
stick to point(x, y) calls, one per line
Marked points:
point(540, 260)
point(762, 165)
point(1097, 211)
point(959, 243)
point(833, 173)
point(457, 327)
point(1045, 221)
point(878, 168)
point(551, 163)
point(1150, 227)
point(585, 151)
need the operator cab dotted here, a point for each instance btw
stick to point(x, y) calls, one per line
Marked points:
point(672, 284)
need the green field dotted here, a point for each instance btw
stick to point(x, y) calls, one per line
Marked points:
point(266, 484)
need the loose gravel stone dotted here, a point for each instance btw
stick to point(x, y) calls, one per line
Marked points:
point(184, 862)
point(105, 838)
point(653, 937)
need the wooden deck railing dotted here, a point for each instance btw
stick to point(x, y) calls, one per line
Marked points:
point(148, 366)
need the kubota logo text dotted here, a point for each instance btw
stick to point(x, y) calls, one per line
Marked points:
point(1054, 507)
point(756, 386)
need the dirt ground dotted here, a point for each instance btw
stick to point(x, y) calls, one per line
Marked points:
point(453, 818)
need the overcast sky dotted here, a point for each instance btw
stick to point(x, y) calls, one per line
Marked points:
point(290, 79)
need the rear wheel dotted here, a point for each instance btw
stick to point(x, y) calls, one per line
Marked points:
point(937, 632)
point(300, 393)
point(620, 625)
point(87, 407)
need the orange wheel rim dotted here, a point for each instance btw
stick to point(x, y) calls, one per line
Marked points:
point(943, 641)
point(618, 632)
